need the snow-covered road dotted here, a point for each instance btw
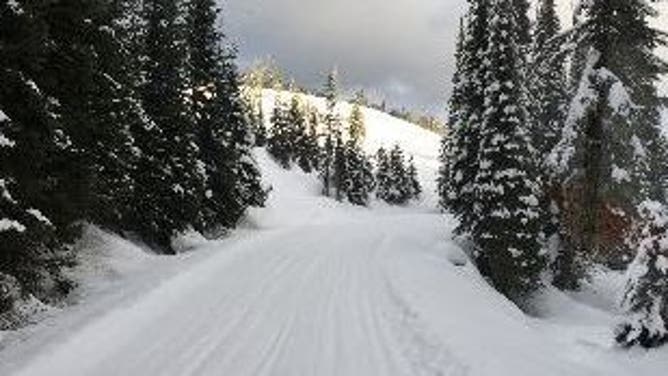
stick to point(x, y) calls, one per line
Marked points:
point(303, 301)
point(310, 291)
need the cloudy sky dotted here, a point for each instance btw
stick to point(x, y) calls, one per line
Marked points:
point(402, 48)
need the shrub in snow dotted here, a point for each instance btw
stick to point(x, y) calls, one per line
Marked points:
point(396, 180)
point(646, 298)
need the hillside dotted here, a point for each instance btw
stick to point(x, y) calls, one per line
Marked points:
point(383, 130)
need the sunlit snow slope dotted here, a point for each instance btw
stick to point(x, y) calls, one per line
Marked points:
point(386, 131)
point(312, 287)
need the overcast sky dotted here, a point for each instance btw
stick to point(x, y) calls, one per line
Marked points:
point(402, 48)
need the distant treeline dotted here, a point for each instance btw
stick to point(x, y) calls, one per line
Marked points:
point(268, 74)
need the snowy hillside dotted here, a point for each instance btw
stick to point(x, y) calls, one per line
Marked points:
point(384, 130)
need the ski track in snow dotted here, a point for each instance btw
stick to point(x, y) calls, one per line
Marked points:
point(299, 301)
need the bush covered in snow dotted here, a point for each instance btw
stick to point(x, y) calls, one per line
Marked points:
point(647, 292)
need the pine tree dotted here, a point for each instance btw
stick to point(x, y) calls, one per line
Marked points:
point(340, 169)
point(170, 181)
point(413, 180)
point(611, 157)
point(646, 297)
point(357, 128)
point(332, 136)
point(221, 118)
point(359, 181)
point(548, 83)
point(308, 148)
point(306, 139)
point(466, 111)
point(522, 22)
point(450, 141)
point(507, 192)
point(383, 175)
point(259, 128)
point(399, 190)
point(280, 144)
point(241, 185)
point(298, 128)
point(38, 205)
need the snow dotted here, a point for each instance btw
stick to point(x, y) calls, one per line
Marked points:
point(39, 216)
point(5, 142)
point(7, 224)
point(310, 286)
point(620, 175)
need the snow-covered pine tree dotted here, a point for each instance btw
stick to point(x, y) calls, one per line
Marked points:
point(209, 114)
point(383, 175)
point(359, 181)
point(35, 153)
point(522, 21)
point(357, 128)
point(646, 298)
point(242, 183)
point(413, 179)
point(548, 82)
point(308, 148)
point(449, 141)
point(260, 129)
point(506, 190)
point(340, 169)
point(96, 109)
point(399, 189)
point(611, 156)
point(280, 136)
point(548, 97)
point(332, 134)
point(130, 27)
point(466, 110)
point(297, 129)
point(170, 183)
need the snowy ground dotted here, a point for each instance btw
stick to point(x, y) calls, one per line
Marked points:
point(312, 287)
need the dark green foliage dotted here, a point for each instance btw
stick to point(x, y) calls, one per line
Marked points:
point(170, 180)
point(339, 168)
point(522, 22)
point(647, 289)
point(308, 150)
point(333, 138)
point(466, 107)
point(281, 139)
point(548, 82)
point(615, 157)
point(396, 181)
point(224, 136)
point(259, 128)
point(413, 179)
point(506, 189)
point(359, 182)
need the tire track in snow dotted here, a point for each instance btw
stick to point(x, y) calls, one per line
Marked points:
point(422, 349)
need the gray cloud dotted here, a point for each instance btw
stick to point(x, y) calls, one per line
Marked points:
point(402, 48)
